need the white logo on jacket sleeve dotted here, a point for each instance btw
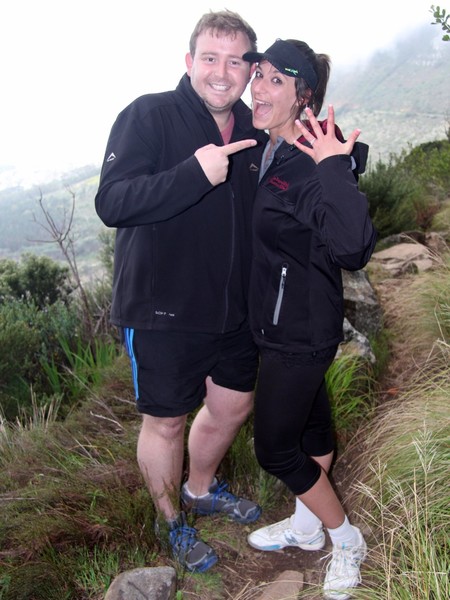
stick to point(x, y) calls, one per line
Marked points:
point(111, 157)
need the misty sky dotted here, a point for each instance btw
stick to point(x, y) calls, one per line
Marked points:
point(68, 67)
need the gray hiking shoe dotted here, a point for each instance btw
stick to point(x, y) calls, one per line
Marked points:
point(219, 500)
point(190, 552)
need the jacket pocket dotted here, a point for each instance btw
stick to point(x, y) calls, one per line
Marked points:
point(276, 312)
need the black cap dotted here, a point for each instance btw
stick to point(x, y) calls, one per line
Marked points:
point(288, 59)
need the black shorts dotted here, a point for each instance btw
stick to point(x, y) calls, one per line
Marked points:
point(170, 368)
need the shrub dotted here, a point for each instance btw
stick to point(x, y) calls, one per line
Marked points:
point(392, 195)
point(29, 337)
point(406, 192)
point(35, 277)
point(429, 164)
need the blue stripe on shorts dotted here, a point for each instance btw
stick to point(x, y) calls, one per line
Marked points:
point(129, 335)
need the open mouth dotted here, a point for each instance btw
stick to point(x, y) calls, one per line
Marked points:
point(260, 108)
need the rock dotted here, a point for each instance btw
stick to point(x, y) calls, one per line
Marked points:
point(436, 243)
point(361, 306)
point(433, 240)
point(285, 587)
point(405, 236)
point(405, 258)
point(158, 583)
point(355, 343)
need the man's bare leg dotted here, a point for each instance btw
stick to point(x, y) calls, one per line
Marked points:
point(213, 431)
point(160, 453)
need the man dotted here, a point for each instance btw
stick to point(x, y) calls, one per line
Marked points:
point(178, 181)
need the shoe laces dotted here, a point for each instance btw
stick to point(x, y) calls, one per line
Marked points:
point(221, 493)
point(281, 526)
point(184, 536)
point(342, 558)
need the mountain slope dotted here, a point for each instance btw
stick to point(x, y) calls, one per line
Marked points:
point(400, 97)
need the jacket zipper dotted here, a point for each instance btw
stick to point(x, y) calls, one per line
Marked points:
point(276, 313)
point(232, 258)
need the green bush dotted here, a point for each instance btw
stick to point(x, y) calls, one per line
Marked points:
point(392, 195)
point(34, 277)
point(405, 193)
point(30, 337)
point(429, 164)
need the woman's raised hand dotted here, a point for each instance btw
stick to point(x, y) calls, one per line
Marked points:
point(323, 144)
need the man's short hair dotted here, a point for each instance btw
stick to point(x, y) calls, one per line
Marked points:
point(225, 22)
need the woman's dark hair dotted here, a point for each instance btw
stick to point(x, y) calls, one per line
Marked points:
point(321, 64)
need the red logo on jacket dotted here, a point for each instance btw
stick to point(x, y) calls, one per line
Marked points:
point(279, 183)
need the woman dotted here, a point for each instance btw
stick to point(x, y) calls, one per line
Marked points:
point(310, 220)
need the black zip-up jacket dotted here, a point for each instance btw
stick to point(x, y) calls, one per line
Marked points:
point(310, 221)
point(183, 247)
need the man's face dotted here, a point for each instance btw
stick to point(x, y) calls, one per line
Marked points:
point(218, 73)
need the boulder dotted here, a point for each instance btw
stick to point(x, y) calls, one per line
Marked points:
point(361, 306)
point(157, 583)
point(405, 258)
point(355, 343)
point(286, 586)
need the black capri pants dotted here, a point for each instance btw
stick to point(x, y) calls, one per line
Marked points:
point(292, 419)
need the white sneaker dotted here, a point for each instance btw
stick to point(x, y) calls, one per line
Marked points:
point(343, 569)
point(279, 535)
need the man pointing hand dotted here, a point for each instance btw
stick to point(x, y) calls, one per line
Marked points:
point(214, 159)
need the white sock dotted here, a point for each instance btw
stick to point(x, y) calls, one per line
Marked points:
point(344, 535)
point(305, 520)
point(191, 495)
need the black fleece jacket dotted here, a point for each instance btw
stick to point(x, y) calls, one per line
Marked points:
point(310, 221)
point(183, 247)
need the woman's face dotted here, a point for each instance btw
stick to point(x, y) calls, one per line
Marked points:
point(275, 103)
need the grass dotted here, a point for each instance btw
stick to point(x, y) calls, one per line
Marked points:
point(74, 504)
point(85, 367)
point(403, 468)
point(441, 221)
point(75, 512)
point(349, 385)
point(403, 495)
